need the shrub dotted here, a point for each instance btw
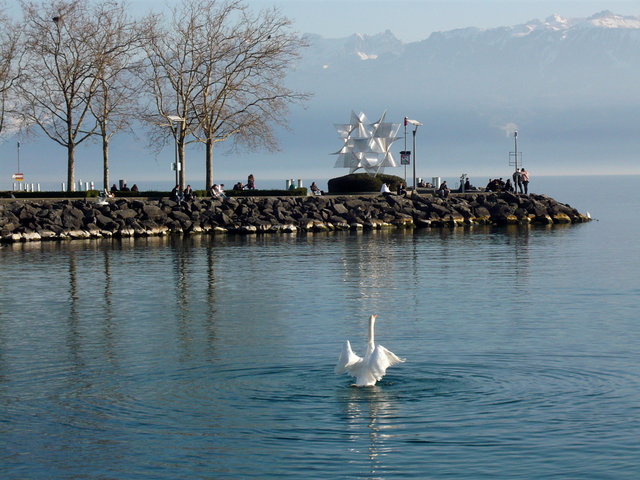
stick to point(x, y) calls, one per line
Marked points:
point(298, 192)
point(146, 194)
point(56, 194)
point(363, 182)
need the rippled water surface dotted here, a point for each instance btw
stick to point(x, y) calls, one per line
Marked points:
point(212, 357)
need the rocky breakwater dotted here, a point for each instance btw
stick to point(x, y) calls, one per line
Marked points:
point(24, 220)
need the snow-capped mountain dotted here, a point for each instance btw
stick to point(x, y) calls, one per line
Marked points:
point(560, 78)
point(358, 46)
point(558, 59)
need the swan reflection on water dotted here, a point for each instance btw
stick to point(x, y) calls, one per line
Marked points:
point(368, 415)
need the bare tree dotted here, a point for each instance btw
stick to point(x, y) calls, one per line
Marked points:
point(221, 68)
point(116, 48)
point(60, 78)
point(171, 78)
point(10, 55)
point(243, 94)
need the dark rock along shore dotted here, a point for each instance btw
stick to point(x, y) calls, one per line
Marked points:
point(35, 220)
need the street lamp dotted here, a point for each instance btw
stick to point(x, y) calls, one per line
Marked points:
point(177, 165)
point(415, 124)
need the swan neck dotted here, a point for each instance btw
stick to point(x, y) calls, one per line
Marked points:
point(372, 323)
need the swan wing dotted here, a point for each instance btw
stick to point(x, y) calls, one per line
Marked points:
point(380, 360)
point(348, 361)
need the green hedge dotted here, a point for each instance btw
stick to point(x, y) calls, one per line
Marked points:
point(363, 182)
point(81, 194)
point(146, 194)
point(297, 192)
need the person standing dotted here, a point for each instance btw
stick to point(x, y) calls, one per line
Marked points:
point(517, 181)
point(524, 176)
point(251, 183)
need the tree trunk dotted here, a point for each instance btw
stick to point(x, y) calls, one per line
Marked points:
point(209, 165)
point(71, 180)
point(105, 162)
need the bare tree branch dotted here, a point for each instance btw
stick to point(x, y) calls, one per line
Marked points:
point(60, 78)
point(222, 68)
point(11, 55)
point(117, 49)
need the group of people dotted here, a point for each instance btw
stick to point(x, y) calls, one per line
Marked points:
point(401, 189)
point(520, 183)
point(179, 195)
point(467, 187)
point(499, 185)
point(215, 191)
point(250, 185)
point(125, 188)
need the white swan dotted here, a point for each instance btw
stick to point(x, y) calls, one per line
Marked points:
point(373, 366)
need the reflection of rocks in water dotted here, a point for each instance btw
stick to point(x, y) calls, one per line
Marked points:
point(25, 220)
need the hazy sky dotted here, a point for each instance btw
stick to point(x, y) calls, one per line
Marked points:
point(415, 19)
point(409, 20)
point(412, 20)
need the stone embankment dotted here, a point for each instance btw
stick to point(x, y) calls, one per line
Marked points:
point(29, 220)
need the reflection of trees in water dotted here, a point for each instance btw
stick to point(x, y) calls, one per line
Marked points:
point(73, 320)
point(194, 274)
point(108, 328)
point(368, 413)
point(182, 258)
point(210, 324)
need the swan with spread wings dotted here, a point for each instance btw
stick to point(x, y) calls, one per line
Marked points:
point(368, 370)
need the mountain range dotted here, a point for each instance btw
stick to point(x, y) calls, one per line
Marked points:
point(572, 87)
point(570, 59)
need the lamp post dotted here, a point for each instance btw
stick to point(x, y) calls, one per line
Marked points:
point(405, 150)
point(415, 124)
point(515, 159)
point(177, 165)
point(515, 148)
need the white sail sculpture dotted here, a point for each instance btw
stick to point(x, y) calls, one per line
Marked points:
point(366, 145)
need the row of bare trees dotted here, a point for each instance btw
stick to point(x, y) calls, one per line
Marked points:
point(209, 71)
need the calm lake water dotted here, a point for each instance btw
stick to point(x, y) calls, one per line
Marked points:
point(212, 357)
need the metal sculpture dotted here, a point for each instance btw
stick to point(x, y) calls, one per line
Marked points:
point(366, 145)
